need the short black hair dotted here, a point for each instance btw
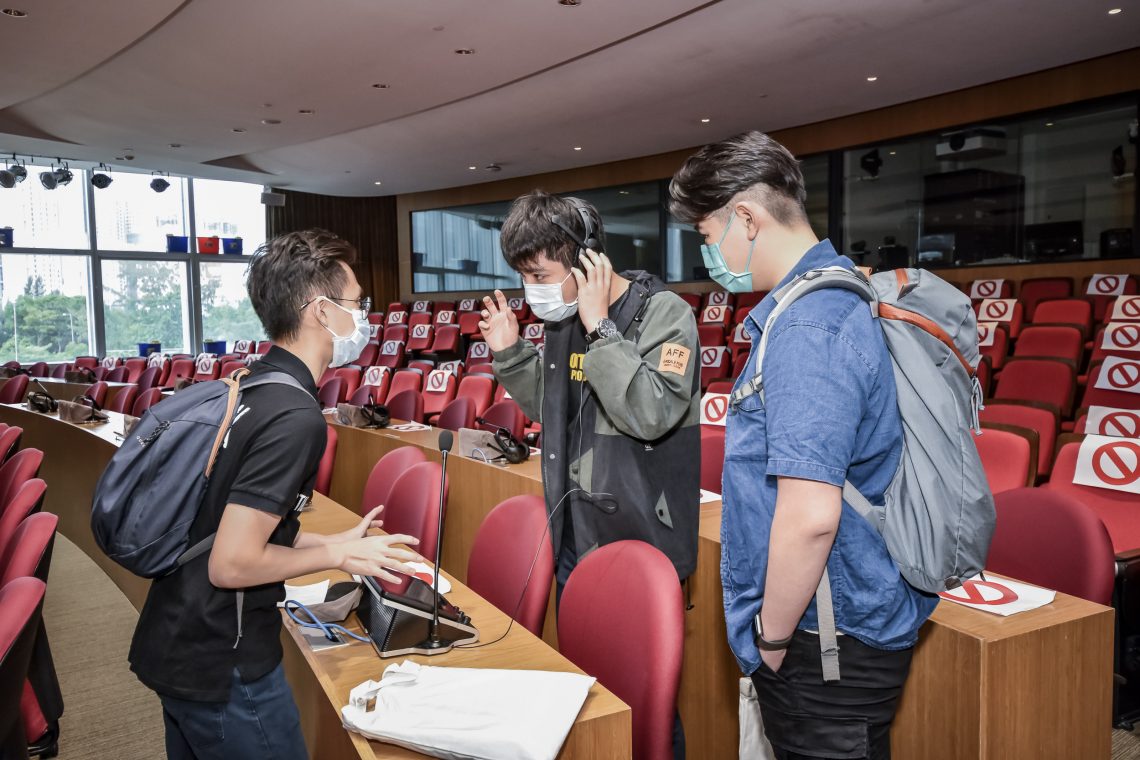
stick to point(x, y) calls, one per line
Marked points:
point(292, 269)
point(752, 161)
point(529, 231)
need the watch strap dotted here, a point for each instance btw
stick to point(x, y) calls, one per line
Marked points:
point(764, 644)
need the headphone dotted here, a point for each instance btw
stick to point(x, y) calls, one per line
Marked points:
point(512, 449)
point(592, 237)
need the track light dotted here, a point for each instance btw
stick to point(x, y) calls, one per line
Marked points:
point(101, 179)
point(13, 173)
point(59, 175)
point(159, 184)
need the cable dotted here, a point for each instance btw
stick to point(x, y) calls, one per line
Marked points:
point(328, 629)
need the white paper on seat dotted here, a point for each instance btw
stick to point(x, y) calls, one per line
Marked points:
point(469, 713)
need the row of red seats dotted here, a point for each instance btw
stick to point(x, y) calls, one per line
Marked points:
point(1099, 290)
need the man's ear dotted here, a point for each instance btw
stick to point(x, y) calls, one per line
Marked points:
point(751, 216)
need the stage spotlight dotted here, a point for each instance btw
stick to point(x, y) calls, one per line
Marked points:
point(48, 180)
point(100, 178)
point(159, 184)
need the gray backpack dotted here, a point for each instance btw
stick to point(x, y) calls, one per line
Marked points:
point(939, 513)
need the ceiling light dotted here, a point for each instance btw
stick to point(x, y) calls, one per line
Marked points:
point(381, 86)
point(377, 182)
point(493, 168)
point(472, 168)
point(159, 183)
point(704, 121)
point(13, 174)
point(1112, 12)
point(465, 51)
point(237, 130)
point(270, 122)
point(577, 147)
point(892, 153)
point(100, 179)
point(175, 145)
point(570, 3)
point(306, 111)
point(872, 79)
point(17, 13)
point(59, 175)
point(1048, 123)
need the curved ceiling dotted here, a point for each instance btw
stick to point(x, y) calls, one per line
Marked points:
point(97, 81)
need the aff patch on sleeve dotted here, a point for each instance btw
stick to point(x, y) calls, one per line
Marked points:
point(674, 358)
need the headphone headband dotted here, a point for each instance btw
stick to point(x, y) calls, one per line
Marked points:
point(591, 238)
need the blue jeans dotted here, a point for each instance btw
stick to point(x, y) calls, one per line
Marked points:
point(260, 721)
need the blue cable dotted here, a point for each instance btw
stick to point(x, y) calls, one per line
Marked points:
point(328, 629)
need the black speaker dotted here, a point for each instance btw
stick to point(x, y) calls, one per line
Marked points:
point(397, 617)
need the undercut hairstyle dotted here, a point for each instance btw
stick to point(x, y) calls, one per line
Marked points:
point(528, 230)
point(292, 269)
point(751, 163)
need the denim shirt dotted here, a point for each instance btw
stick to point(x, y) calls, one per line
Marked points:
point(829, 414)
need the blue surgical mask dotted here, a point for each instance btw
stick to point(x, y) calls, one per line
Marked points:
point(733, 282)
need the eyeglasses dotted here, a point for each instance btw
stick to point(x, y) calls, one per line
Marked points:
point(364, 303)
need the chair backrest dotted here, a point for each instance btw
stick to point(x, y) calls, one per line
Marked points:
point(386, 472)
point(231, 366)
point(446, 339)
point(1051, 342)
point(621, 621)
point(505, 414)
point(21, 604)
point(136, 365)
point(117, 375)
point(146, 400)
point(1100, 303)
point(413, 506)
point(716, 363)
point(478, 353)
point(480, 389)
point(1065, 311)
point(59, 372)
point(395, 332)
point(1116, 399)
point(460, 413)
point(712, 457)
point(14, 390)
point(420, 336)
point(180, 369)
point(263, 346)
point(368, 355)
point(499, 568)
point(9, 441)
point(39, 369)
point(439, 389)
point(22, 467)
point(391, 354)
point(29, 551)
point(351, 378)
point(693, 299)
point(406, 405)
point(1041, 380)
point(28, 499)
point(90, 362)
point(405, 380)
point(1116, 509)
point(1043, 421)
point(997, 348)
point(331, 393)
point(1009, 456)
point(1038, 289)
point(710, 335)
point(328, 459)
point(150, 377)
point(469, 323)
point(1049, 538)
point(97, 392)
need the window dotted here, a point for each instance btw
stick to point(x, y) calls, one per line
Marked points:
point(145, 301)
point(458, 249)
point(230, 210)
point(227, 313)
point(129, 216)
point(815, 173)
point(43, 307)
point(631, 215)
point(42, 218)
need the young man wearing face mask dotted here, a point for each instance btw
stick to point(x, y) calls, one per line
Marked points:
point(828, 414)
point(214, 662)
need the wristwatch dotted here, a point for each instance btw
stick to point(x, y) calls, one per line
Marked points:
point(762, 643)
point(605, 329)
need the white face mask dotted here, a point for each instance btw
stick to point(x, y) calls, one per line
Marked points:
point(348, 347)
point(547, 303)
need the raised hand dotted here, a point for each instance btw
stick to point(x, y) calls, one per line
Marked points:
point(593, 288)
point(499, 325)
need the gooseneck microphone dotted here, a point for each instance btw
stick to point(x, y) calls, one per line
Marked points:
point(434, 642)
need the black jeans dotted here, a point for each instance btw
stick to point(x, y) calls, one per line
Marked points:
point(846, 720)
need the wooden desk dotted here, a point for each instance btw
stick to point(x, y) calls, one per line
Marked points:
point(65, 391)
point(323, 679)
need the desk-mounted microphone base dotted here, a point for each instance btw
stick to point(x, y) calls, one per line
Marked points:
point(400, 623)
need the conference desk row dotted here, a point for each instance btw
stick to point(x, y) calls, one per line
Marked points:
point(1033, 685)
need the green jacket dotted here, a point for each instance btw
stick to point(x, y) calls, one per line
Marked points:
point(640, 419)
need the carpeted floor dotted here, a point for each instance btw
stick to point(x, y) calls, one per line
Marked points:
point(108, 713)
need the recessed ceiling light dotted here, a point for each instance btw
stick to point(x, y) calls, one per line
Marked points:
point(17, 13)
point(382, 86)
point(270, 122)
point(175, 145)
point(239, 130)
point(872, 79)
point(577, 147)
point(472, 168)
point(570, 3)
point(377, 182)
point(306, 111)
point(465, 51)
point(1048, 123)
point(704, 121)
point(623, 192)
point(1112, 12)
point(891, 153)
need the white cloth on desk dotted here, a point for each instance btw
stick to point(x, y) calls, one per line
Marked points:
point(469, 713)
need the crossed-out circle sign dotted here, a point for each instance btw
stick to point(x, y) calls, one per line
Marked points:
point(714, 314)
point(420, 307)
point(373, 330)
point(533, 331)
point(715, 407)
point(742, 335)
point(206, 364)
point(445, 318)
point(985, 334)
point(718, 298)
point(397, 317)
point(1125, 337)
point(987, 288)
point(1120, 425)
point(996, 310)
point(515, 303)
point(437, 381)
point(419, 331)
point(1117, 463)
point(1107, 284)
point(1129, 307)
point(241, 347)
point(390, 348)
point(982, 592)
point(467, 304)
point(478, 350)
point(1124, 374)
point(450, 367)
point(710, 357)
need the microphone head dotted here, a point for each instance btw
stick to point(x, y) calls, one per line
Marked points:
point(446, 439)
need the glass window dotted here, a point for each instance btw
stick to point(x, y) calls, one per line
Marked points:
point(145, 301)
point(42, 218)
point(815, 173)
point(43, 307)
point(458, 249)
point(631, 215)
point(130, 216)
point(227, 313)
point(230, 210)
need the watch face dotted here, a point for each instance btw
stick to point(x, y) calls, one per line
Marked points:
point(606, 328)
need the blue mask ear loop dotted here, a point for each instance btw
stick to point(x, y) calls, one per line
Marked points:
point(751, 248)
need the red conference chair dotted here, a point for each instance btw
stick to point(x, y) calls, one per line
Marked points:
point(468, 305)
point(14, 390)
point(718, 298)
point(478, 353)
point(385, 473)
point(22, 467)
point(351, 378)
point(59, 371)
point(405, 380)
point(1094, 396)
point(420, 338)
point(1009, 456)
point(1043, 421)
point(89, 362)
point(985, 376)
point(21, 605)
point(719, 316)
point(39, 369)
point(446, 346)
point(180, 369)
point(1065, 311)
point(135, 367)
point(9, 441)
point(1051, 539)
point(710, 335)
point(328, 459)
point(395, 332)
point(406, 405)
point(716, 363)
point(368, 356)
point(998, 350)
point(263, 347)
point(469, 323)
point(27, 500)
point(738, 365)
point(117, 375)
point(1002, 314)
point(460, 413)
point(480, 389)
point(444, 317)
point(613, 597)
point(124, 400)
point(1050, 342)
point(419, 318)
point(499, 568)
point(146, 400)
point(330, 393)
point(720, 386)
point(1006, 290)
point(439, 390)
point(413, 506)
point(391, 354)
point(152, 377)
point(504, 414)
point(1116, 509)
point(376, 318)
point(423, 366)
point(693, 299)
point(1100, 304)
point(231, 366)
point(712, 457)
point(1038, 289)
point(1042, 381)
point(97, 392)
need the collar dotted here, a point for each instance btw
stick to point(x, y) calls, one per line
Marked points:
point(822, 254)
point(280, 359)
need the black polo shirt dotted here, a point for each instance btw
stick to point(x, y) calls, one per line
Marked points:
point(184, 643)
